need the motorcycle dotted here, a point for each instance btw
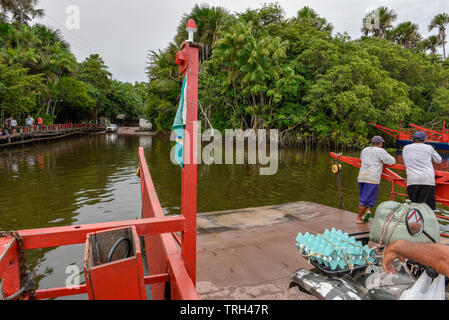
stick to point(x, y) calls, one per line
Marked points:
point(368, 282)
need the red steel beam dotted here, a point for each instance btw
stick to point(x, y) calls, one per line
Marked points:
point(189, 174)
point(60, 292)
point(391, 132)
point(162, 250)
point(182, 286)
point(9, 266)
point(62, 236)
point(82, 289)
point(426, 130)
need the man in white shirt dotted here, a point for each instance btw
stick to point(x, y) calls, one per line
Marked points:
point(373, 160)
point(13, 125)
point(418, 158)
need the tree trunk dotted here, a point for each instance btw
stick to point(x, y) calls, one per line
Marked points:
point(444, 45)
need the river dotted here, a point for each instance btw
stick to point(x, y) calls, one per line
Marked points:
point(93, 179)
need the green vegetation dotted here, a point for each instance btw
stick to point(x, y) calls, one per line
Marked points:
point(260, 69)
point(39, 75)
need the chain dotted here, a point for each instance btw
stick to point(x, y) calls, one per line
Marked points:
point(26, 281)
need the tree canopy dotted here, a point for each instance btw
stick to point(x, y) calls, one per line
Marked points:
point(49, 81)
point(293, 74)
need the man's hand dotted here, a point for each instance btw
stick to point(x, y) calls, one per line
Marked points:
point(390, 255)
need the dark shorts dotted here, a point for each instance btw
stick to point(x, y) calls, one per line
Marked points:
point(422, 194)
point(368, 194)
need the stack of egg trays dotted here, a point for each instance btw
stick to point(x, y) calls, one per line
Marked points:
point(335, 250)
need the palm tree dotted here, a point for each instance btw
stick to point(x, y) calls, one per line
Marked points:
point(378, 22)
point(161, 64)
point(209, 21)
point(309, 16)
point(22, 11)
point(441, 21)
point(407, 35)
point(432, 43)
point(50, 36)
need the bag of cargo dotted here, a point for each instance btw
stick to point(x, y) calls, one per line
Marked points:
point(408, 221)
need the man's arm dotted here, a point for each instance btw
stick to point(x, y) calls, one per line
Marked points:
point(387, 158)
point(432, 255)
point(436, 157)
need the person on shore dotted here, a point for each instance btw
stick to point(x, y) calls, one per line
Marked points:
point(29, 121)
point(373, 159)
point(13, 124)
point(418, 159)
point(7, 125)
point(39, 121)
point(432, 255)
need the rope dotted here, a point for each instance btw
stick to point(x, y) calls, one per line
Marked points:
point(202, 110)
point(396, 225)
point(340, 193)
point(351, 266)
point(205, 116)
point(338, 177)
point(385, 228)
point(365, 255)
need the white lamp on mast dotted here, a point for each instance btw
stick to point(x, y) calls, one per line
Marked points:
point(191, 29)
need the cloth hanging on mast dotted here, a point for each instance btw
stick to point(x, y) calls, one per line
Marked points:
point(179, 125)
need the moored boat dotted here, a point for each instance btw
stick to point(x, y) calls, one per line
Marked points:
point(438, 139)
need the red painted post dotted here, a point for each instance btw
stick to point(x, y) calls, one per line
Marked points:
point(189, 174)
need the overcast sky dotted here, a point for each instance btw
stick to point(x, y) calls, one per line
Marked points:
point(123, 31)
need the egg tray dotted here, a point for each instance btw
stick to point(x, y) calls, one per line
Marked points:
point(335, 252)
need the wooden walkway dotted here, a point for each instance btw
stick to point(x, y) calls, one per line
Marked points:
point(46, 133)
point(251, 253)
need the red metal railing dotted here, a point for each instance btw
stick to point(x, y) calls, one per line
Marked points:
point(53, 127)
point(165, 262)
point(407, 134)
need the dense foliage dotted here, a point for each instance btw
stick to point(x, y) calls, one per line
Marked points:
point(39, 75)
point(293, 74)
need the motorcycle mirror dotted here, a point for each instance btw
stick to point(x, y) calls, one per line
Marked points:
point(415, 222)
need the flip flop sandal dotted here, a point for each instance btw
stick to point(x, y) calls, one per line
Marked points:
point(367, 217)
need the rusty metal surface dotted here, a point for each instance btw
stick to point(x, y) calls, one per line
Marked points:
point(254, 254)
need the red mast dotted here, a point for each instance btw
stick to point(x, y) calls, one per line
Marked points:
point(187, 59)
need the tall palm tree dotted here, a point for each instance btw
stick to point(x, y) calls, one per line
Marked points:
point(441, 21)
point(209, 21)
point(378, 22)
point(407, 34)
point(432, 43)
point(22, 11)
point(309, 16)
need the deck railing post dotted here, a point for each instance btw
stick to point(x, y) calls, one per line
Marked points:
point(189, 174)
